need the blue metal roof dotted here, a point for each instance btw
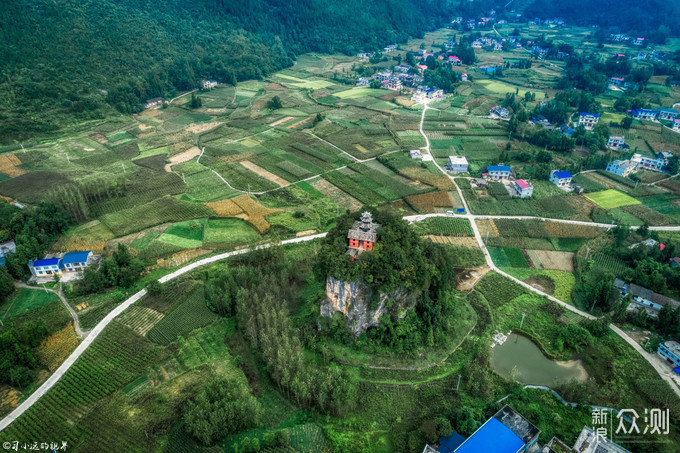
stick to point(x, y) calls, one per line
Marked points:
point(563, 174)
point(492, 437)
point(449, 444)
point(590, 114)
point(498, 168)
point(668, 111)
point(48, 262)
point(75, 257)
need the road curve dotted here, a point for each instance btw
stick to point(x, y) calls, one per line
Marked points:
point(94, 333)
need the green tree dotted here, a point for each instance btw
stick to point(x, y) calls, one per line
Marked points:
point(196, 101)
point(275, 103)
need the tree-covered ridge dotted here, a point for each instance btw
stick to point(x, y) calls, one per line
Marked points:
point(645, 16)
point(71, 61)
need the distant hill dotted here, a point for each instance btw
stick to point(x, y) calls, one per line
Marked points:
point(65, 61)
point(632, 16)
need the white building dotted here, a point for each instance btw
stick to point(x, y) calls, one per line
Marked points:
point(649, 163)
point(615, 142)
point(458, 164)
point(560, 178)
point(415, 154)
point(588, 120)
point(622, 167)
point(208, 84)
point(676, 124)
point(498, 172)
point(644, 114)
point(524, 188)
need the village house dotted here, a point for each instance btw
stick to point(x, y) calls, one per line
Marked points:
point(7, 248)
point(363, 81)
point(615, 142)
point(675, 262)
point(403, 68)
point(208, 84)
point(644, 114)
point(464, 78)
point(393, 83)
point(588, 120)
point(670, 351)
point(458, 164)
point(639, 41)
point(649, 163)
point(154, 103)
point(643, 298)
point(618, 81)
point(390, 48)
point(676, 124)
point(454, 60)
point(415, 154)
point(523, 188)
point(561, 179)
point(621, 167)
point(667, 114)
point(498, 172)
point(362, 236)
point(500, 111)
point(69, 262)
point(421, 68)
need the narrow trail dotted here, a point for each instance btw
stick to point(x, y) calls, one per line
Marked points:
point(60, 294)
point(182, 95)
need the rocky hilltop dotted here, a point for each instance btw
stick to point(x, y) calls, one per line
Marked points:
point(353, 299)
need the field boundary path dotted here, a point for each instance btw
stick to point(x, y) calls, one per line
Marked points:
point(60, 294)
point(94, 333)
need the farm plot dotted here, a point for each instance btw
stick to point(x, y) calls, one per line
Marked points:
point(184, 156)
point(508, 257)
point(264, 173)
point(562, 282)
point(189, 315)
point(245, 208)
point(187, 234)
point(546, 259)
point(162, 210)
point(229, 232)
point(116, 357)
point(9, 165)
point(428, 202)
point(140, 319)
point(445, 226)
point(57, 347)
point(498, 290)
point(26, 300)
point(608, 199)
point(337, 195)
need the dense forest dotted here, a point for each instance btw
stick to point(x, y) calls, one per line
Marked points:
point(72, 61)
point(622, 15)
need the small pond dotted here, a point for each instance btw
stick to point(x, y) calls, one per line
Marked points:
point(520, 359)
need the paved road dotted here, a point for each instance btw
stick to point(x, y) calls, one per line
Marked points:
point(60, 293)
point(94, 333)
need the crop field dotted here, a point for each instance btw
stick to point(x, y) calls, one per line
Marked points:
point(508, 257)
point(140, 319)
point(557, 283)
point(187, 234)
point(24, 301)
point(445, 226)
point(189, 315)
point(117, 357)
point(229, 231)
point(427, 203)
point(166, 209)
point(551, 260)
point(498, 290)
point(608, 199)
point(57, 347)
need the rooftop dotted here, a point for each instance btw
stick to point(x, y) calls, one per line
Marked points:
point(458, 160)
point(506, 432)
point(364, 229)
point(562, 174)
point(46, 262)
point(673, 346)
point(76, 257)
point(587, 443)
point(498, 168)
point(589, 114)
point(523, 184)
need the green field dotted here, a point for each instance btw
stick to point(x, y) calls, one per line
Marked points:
point(610, 198)
point(359, 92)
point(229, 231)
point(25, 300)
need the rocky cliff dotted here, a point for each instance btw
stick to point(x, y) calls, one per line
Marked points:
point(353, 299)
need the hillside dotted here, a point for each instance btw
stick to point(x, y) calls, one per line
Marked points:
point(623, 15)
point(69, 61)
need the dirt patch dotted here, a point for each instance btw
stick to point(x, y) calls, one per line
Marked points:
point(151, 113)
point(360, 148)
point(264, 173)
point(181, 258)
point(144, 127)
point(541, 283)
point(404, 101)
point(237, 157)
point(468, 278)
point(8, 165)
point(9, 397)
point(465, 242)
point(390, 96)
point(487, 226)
point(283, 120)
point(300, 123)
point(199, 128)
point(274, 87)
point(304, 233)
point(184, 156)
point(337, 195)
point(99, 138)
point(244, 207)
point(559, 261)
